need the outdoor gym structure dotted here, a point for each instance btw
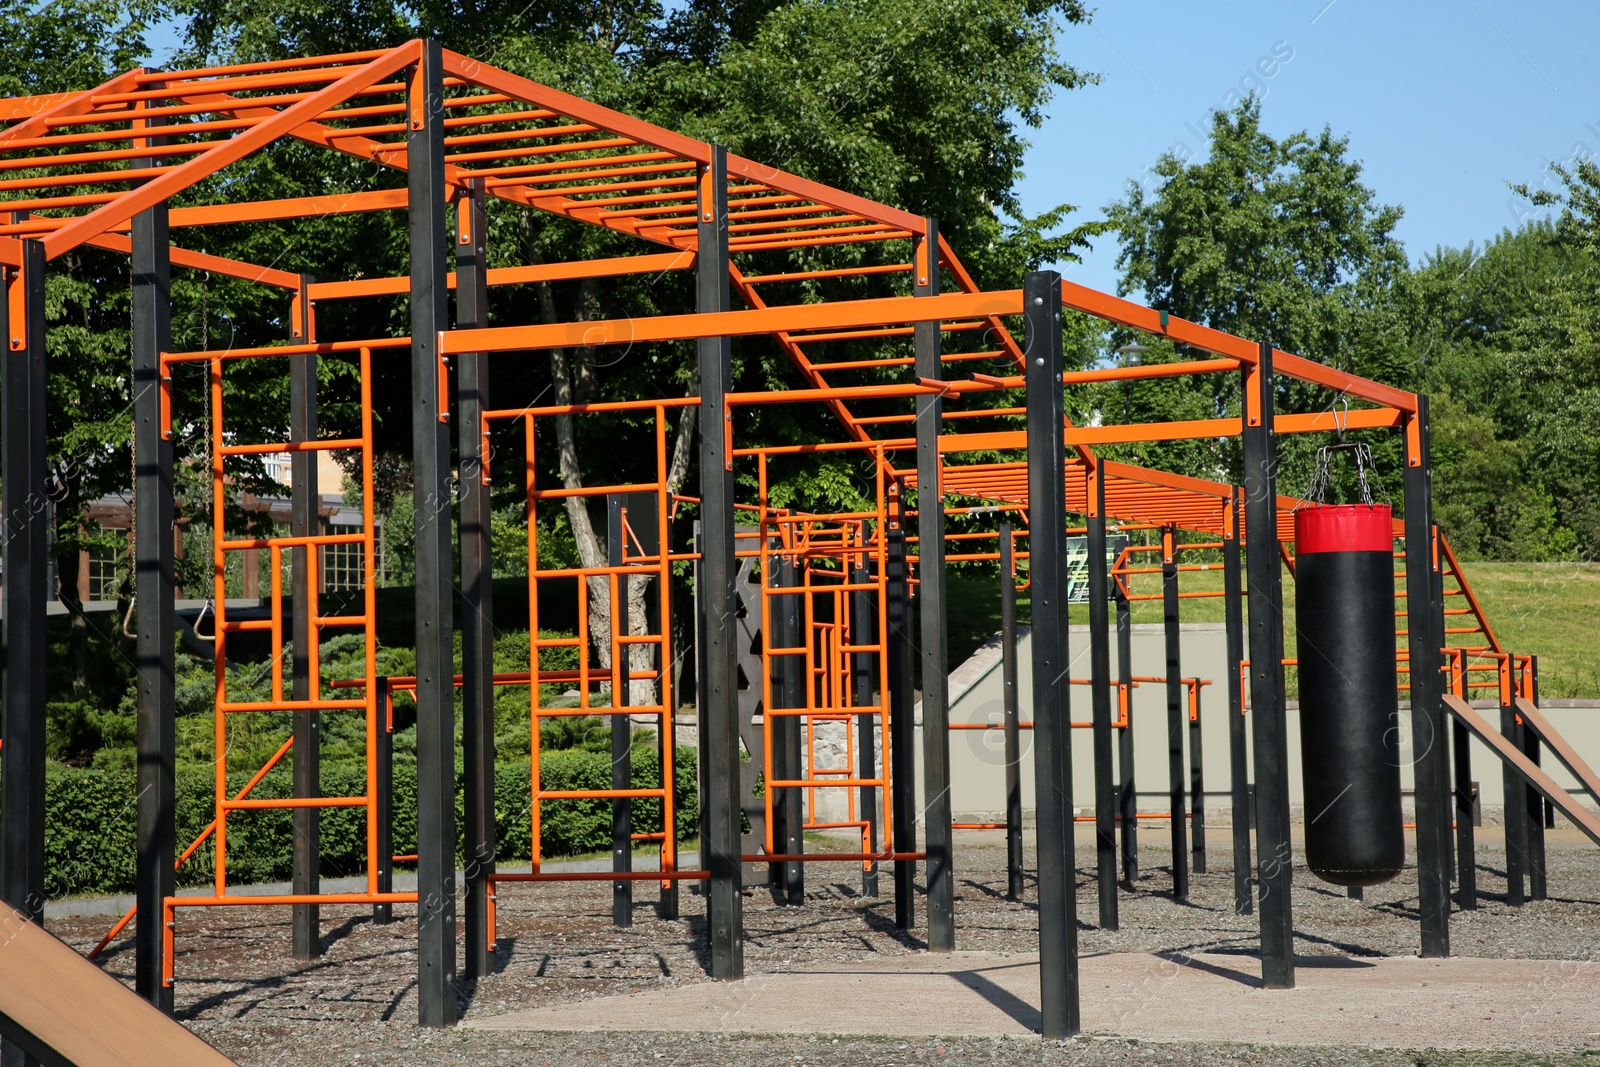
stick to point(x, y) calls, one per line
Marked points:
point(801, 619)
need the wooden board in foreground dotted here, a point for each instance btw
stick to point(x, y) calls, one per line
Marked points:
point(64, 1010)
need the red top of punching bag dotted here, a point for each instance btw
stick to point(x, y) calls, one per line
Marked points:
point(1343, 528)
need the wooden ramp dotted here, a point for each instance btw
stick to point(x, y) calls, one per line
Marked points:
point(1534, 718)
point(66, 1012)
point(1581, 817)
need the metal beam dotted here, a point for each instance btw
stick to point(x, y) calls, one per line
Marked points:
point(902, 727)
point(1238, 742)
point(863, 631)
point(621, 727)
point(154, 695)
point(305, 520)
point(1052, 738)
point(1423, 626)
point(477, 581)
point(24, 595)
point(435, 694)
point(1177, 713)
point(1012, 723)
point(1274, 851)
point(936, 812)
point(1105, 838)
point(788, 757)
point(716, 601)
point(1127, 795)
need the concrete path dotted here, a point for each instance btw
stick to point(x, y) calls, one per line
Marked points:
point(1377, 1003)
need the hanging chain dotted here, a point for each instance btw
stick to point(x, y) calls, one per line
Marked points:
point(1366, 468)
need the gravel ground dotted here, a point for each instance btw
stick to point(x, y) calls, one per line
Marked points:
point(239, 988)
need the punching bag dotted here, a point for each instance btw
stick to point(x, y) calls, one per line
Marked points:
point(1349, 703)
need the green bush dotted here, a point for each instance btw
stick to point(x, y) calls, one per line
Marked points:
point(89, 818)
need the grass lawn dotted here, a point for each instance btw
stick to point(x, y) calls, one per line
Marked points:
point(1551, 610)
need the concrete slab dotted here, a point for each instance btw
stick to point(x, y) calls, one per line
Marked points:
point(1375, 1003)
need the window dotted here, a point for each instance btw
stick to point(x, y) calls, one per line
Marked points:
point(104, 569)
point(343, 564)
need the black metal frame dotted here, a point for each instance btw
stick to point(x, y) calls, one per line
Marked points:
point(1238, 742)
point(477, 582)
point(1274, 852)
point(431, 463)
point(1052, 737)
point(933, 648)
point(1105, 834)
point(1425, 630)
point(1011, 723)
point(715, 596)
point(1177, 713)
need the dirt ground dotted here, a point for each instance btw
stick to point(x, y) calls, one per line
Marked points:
point(240, 989)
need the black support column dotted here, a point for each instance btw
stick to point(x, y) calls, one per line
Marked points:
point(1127, 795)
point(788, 759)
point(436, 836)
point(1274, 851)
point(383, 786)
point(1105, 839)
point(1177, 713)
point(1516, 799)
point(1538, 869)
point(25, 594)
point(305, 520)
point(1466, 842)
point(864, 669)
point(715, 602)
point(1238, 743)
point(1425, 638)
point(1011, 724)
point(1052, 740)
point(934, 625)
point(902, 727)
point(621, 727)
point(153, 592)
point(477, 580)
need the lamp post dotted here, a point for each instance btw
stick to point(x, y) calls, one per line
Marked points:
point(1132, 355)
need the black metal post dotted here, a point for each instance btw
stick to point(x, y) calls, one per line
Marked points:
point(154, 589)
point(25, 594)
point(1238, 746)
point(902, 727)
point(1425, 637)
point(1274, 852)
point(1516, 798)
point(1538, 880)
point(1105, 834)
point(863, 608)
point(1197, 786)
point(787, 618)
point(1177, 713)
point(383, 786)
point(718, 629)
point(621, 728)
point(305, 520)
point(477, 582)
point(1127, 796)
point(934, 625)
point(1052, 740)
point(1466, 844)
point(436, 741)
point(1012, 720)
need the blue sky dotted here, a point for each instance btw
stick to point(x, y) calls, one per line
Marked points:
point(1443, 102)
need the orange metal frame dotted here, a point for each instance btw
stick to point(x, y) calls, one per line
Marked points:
point(72, 169)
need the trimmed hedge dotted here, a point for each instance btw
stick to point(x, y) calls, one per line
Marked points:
point(89, 819)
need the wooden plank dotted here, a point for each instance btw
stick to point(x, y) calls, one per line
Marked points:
point(1581, 817)
point(65, 1009)
point(1559, 745)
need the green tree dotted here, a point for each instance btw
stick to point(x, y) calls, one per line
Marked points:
point(1272, 239)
